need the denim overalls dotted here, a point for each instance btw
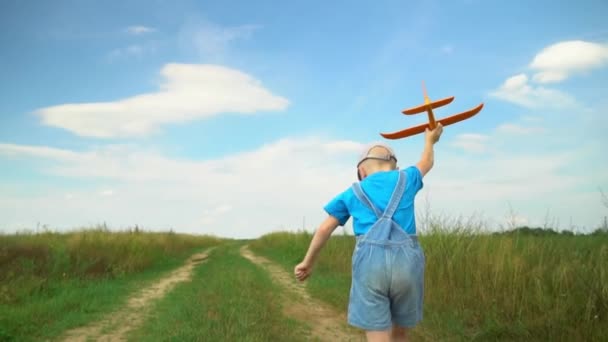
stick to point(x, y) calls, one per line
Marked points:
point(388, 270)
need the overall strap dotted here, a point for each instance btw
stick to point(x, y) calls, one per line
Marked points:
point(365, 200)
point(393, 204)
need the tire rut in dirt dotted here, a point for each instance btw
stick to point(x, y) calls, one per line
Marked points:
point(326, 324)
point(116, 325)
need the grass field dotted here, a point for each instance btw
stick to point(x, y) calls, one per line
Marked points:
point(517, 286)
point(483, 287)
point(229, 299)
point(51, 282)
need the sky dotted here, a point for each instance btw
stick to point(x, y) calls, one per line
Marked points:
point(240, 118)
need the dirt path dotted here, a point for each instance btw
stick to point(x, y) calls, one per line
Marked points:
point(115, 326)
point(326, 323)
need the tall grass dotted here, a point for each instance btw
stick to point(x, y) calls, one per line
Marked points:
point(51, 281)
point(482, 286)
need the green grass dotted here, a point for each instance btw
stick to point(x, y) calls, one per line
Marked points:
point(331, 278)
point(51, 282)
point(531, 286)
point(229, 299)
point(482, 287)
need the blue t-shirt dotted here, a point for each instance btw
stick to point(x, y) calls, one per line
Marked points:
point(379, 188)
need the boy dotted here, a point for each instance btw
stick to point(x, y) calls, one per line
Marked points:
point(386, 292)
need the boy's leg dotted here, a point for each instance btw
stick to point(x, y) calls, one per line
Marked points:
point(400, 333)
point(378, 336)
point(397, 334)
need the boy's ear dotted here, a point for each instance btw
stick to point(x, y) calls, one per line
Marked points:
point(361, 172)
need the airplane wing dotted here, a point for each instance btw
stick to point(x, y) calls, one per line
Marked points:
point(406, 132)
point(422, 108)
point(421, 128)
point(461, 116)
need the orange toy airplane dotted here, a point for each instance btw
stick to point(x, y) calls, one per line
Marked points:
point(428, 106)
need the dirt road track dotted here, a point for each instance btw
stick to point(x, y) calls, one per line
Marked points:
point(116, 325)
point(326, 323)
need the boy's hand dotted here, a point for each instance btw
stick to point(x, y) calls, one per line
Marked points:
point(302, 271)
point(434, 135)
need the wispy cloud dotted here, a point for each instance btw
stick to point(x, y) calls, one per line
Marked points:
point(44, 152)
point(531, 182)
point(482, 143)
point(210, 216)
point(106, 193)
point(189, 92)
point(133, 50)
point(139, 30)
point(519, 90)
point(475, 143)
point(204, 194)
point(532, 118)
point(511, 128)
point(126, 163)
point(211, 40)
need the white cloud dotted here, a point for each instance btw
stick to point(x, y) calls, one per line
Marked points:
point(134, 50)
point(211, 40)
point(304, 156)
point(189, 92)
point(139, 29)
point(511, 128)
point(518, 220)
point(557, 62)
point(211, 216)
point(137, 50)
point(278, 184)
point(244, 194)
point(550, 76)
point(224, 208)
point(106, 193)
point(530, 183)
point(531, 118)
point(518, 90)
point(530, 164)
point(38, 151)
point(553, 64)
point(476, 143)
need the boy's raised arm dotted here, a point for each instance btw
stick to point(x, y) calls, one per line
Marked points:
point(428, 154)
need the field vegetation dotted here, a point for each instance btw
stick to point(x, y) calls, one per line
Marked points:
point(50, 281)
point(529, 284)
point(523, 284)
point(229, 299)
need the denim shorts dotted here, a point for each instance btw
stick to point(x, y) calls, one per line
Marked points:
point(387, 284)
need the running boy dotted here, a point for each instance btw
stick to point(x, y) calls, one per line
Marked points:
point(387, 285)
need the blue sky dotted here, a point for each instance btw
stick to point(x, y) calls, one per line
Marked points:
point(238, 118)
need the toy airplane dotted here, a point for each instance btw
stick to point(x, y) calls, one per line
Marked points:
point(428, 106)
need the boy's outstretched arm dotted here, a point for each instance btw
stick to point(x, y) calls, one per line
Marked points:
point(428, 155)
point(304, 269)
